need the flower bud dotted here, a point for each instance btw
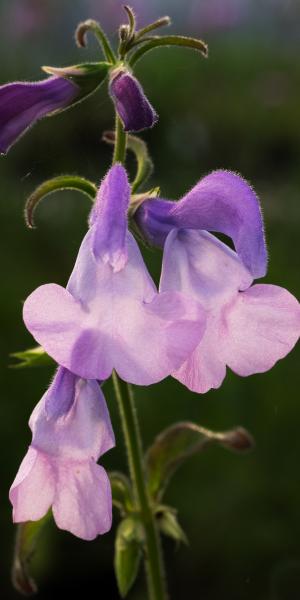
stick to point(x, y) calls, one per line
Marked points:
point(131, 104)
point(24, 103)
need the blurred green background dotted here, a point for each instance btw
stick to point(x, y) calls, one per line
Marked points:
point(238, 110)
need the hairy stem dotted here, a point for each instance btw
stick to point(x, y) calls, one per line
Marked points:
point(120, 143)
point(153, 558)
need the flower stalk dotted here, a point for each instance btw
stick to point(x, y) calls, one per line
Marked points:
point(153, 557)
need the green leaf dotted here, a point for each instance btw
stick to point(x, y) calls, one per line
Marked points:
point(175, 444)
point(26, 544)
point(168, 524)
point(57, 184)
point(121, 492)
point(33, 357)
point(128, 551)
point(169, 40)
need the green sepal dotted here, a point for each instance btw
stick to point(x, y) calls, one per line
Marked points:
point(57, 184)
point(86, 76)
point(121, 492)
point(33, 357)
point(128, 552)
point(25, 547)
point(176, 443)
point(166, 518)
point(169, 40)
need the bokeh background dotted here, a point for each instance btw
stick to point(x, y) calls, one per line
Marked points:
point(238, 110)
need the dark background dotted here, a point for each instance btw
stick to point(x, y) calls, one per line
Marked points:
point(238, 110)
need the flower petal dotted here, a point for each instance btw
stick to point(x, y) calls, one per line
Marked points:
point(83, 503)
point(131, 103)
point(223, 202)
point(32, 491)
point(205, 368)
point(160, 337)
point(109, 218)
point(82, 431)
point(22, 104)
point(198, 264)
point(53, 317)
point(263, 326)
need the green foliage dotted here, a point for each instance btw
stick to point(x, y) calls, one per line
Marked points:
point(33, 357)
point(121, 492)
point(128, 552)
point(176, 443)
point(57, 184)
point(26, 545)
point(168, 524)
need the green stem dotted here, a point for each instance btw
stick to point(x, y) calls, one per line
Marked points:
point(120, 143)
point(154, 568)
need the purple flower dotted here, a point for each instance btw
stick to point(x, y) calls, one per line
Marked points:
point(130, 102)
point(111, 316)
point(222, 202)
point(71, 429)
point(248, 328)
point(22, 104)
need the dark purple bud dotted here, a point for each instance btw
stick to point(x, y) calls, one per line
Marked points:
point(23, 103)
point(130, 101)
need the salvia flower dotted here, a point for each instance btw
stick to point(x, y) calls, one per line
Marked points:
point(248, 327)
point(111, 316)
point(130, 102)
point(71, 429)
point(24, 103)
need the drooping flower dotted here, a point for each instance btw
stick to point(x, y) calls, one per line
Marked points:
point(71, 429)
point(248, 328)
point(130, 102)
point(24, 103)
point(111, 316)
point(223, 202)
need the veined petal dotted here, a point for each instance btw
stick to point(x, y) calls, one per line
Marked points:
point(81, 431)
point(223, 202)
point(263, 326)
point(198, 264)
point(130, 101)
point(82, 503)
point(53, 316)
point(32, 491)
point(109, 218)
point(23, 103)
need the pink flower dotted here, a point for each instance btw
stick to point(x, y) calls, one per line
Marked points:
point(248, 328)
point(111, 316)
point(71, 429)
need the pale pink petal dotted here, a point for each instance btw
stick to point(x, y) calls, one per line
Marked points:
point(263, 326)
point(83, 431)
point(53, 316)
point(32, 491)
point(205, 367)
point(198, 264)
point(161, 334)
point(82, 503)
